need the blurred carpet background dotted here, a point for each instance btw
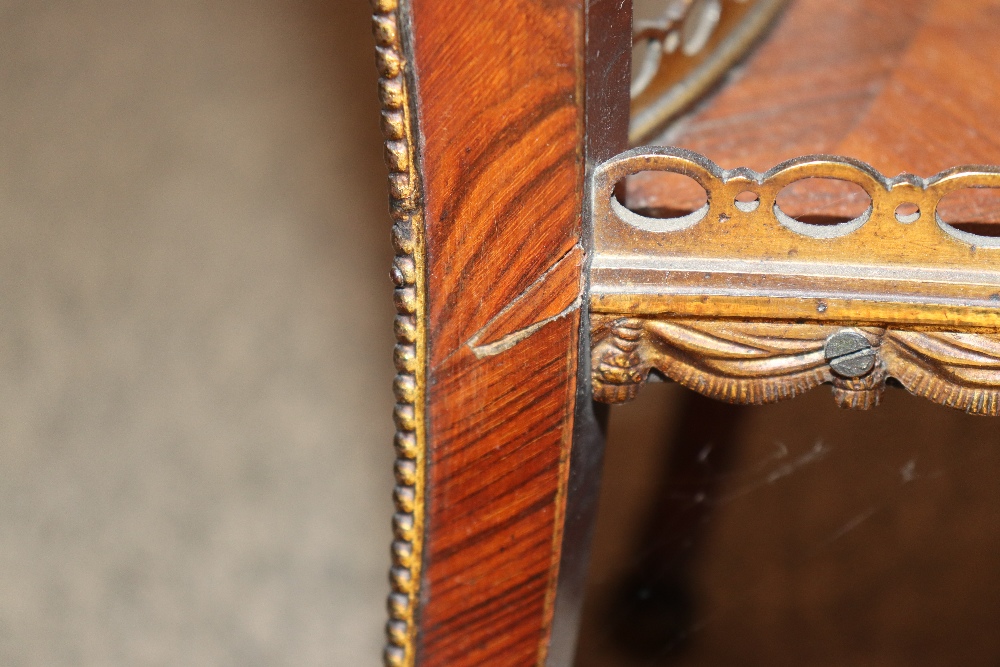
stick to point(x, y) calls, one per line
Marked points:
point(195, 334)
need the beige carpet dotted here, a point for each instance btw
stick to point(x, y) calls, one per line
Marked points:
point(195, 335)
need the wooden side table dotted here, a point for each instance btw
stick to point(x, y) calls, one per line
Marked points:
point(540, 264)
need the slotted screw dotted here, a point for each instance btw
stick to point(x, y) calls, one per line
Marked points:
point(849, 353)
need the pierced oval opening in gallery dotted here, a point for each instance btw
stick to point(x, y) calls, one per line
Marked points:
point(823, 201)
point(972, 211)
point(660, 201)
point(661, 194)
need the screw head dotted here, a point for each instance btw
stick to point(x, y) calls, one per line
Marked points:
point(849, 353)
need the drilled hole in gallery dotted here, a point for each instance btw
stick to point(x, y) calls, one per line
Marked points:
point(747, 201)
point(907, 213)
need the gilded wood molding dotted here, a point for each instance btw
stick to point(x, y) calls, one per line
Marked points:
point(765, 362)
point(395, 85)
point(742, 303)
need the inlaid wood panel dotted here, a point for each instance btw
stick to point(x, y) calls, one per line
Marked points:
point(500, 124)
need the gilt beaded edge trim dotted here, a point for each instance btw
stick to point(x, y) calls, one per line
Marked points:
point(395, 84)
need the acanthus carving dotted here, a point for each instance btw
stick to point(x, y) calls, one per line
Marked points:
point(764, 362)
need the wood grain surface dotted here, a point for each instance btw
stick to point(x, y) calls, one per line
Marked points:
point(905, 85)
point(501, 122)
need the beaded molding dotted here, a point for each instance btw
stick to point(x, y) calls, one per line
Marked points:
point(395, 83)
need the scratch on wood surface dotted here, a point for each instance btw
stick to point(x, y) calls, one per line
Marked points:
point(851, 525)
point(509, 340)
point(816, 453)
point(512, 339)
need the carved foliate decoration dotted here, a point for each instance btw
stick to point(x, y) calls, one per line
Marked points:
point(743, 303)
point(683, 27)
point(395, 84)
point(765, 362)
point(684, 50)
